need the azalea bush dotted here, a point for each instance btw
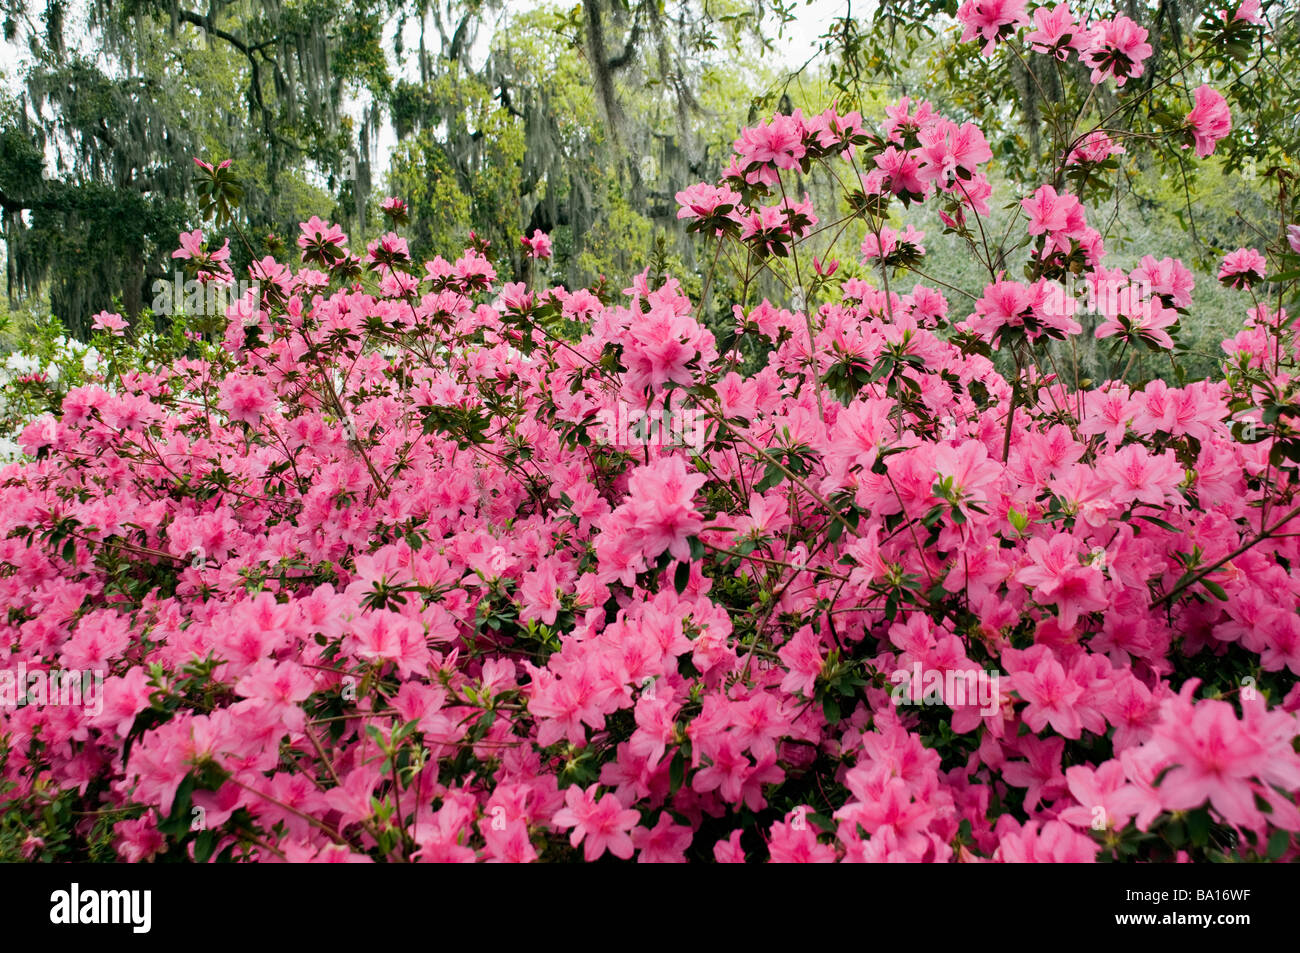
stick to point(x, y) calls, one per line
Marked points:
point(395, 569)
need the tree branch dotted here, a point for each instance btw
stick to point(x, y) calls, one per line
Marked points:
point(255, 80)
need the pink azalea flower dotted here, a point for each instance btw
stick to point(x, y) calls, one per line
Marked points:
point(1104, 796)
point(794, 841)
point(769, 146)
point(138, 840)
point(891, 241)
point(1246, 12)
point(394, 208)
point(803, 658)
point(538, 593)
point(968, 466)
point(1140, 322)
point(114, 324)
point(1050, 212)
point(901, 171)
point(508, 844)
point(320, 235)
point(729, 851)
point(384, 636)
point(1056, 31)
point(951, 155)
point(1058, 577)
point(665, 843)
point(191, 244)
point(1117, 49)
point(1052, 695)
point(1168, 279)
point(1214, 757)
point(246, 398)
point(706, 201)
point(662, 507)
point(1095, 147)
point(1138, 476)
point(1210, 120)
point(539, 246)
point(598, 825)
point(1054, 843)
point(1243, 268)
point(991, 20)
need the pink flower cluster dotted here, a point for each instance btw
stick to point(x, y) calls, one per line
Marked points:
point(539, 246)
point(1115, 49)
point(1112, 49)
point(915, 154)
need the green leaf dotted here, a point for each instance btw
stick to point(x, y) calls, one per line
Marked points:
point(836, 531)
point(831, 709)
point(1215, 589)
point(676, 771)
point(204, 845)
point(1278, 842)
point(1018, 520)
point(682, 577)
point(178, 822)
point(824, 822)
point(771, 478)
